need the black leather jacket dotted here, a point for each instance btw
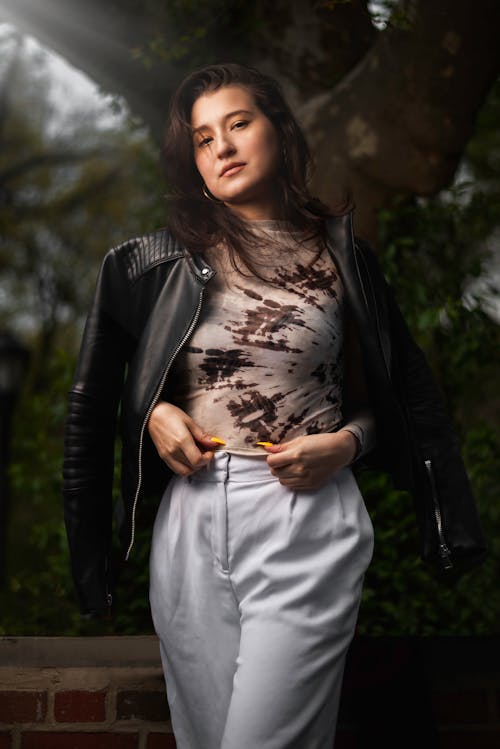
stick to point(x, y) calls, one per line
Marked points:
point(147, 302)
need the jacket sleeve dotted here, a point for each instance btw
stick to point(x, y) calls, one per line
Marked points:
point(450, 529)
point(450, 525)
point(89, 438)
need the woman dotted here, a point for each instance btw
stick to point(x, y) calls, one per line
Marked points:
point(247, 332)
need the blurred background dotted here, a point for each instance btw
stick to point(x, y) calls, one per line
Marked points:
point(401, 104)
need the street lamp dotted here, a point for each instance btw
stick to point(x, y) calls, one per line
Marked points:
point(13, 363)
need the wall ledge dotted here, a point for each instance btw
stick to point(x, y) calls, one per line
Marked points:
point(121, 651)
point(464, 655)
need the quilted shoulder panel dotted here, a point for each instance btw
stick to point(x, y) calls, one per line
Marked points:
point(142, 253)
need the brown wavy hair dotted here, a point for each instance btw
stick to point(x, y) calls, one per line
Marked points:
point(200, 223)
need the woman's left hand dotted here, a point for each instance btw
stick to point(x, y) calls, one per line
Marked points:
point(309, 461)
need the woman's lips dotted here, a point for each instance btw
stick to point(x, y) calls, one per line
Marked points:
point(232, 170)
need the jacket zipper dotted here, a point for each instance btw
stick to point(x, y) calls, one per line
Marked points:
point(148, 414)
point(443, 549)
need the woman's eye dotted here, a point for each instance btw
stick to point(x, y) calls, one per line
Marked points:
point(204, 142)
point(240, 124)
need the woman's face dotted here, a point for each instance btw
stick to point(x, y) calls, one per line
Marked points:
point(237, 151)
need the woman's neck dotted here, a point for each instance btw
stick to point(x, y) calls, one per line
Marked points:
point(263, 207)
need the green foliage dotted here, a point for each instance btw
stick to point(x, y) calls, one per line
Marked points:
point(483, 153)
point(433, 251)
point(37, 597)
point(401, 594)
point(199, 41)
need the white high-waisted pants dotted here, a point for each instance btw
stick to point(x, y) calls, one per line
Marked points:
point(255, 590)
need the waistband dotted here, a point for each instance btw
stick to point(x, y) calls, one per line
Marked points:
point(226, 466)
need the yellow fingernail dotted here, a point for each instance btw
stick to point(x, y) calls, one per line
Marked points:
point(265, 444)
point(217, 440)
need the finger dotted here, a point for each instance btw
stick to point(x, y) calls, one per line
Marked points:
point(290, 473)
point(195, 458)
point(203, 437)
point(212, 442)
point(178, 466)
point(295, 484)
point(180, 469)
point(183, 467)
point(302, 483)
point(206, 457)
point(280, 460)
point(269, 446)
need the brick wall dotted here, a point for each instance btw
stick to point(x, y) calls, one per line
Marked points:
point(82, 693)
point(108, 693)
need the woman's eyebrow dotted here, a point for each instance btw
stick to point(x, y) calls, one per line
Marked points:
point(226, 117)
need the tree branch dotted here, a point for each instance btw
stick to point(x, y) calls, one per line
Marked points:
point(311, 46)
point(398, 123)
point(49, 158)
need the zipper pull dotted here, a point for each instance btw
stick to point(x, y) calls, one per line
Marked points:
point(445, 555)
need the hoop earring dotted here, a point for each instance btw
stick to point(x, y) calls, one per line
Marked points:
point(206, 192)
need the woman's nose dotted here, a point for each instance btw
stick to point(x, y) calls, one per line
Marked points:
point(225, 147)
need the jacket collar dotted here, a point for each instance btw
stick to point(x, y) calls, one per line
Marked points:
point(199, 266)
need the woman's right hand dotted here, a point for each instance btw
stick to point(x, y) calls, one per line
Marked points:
point(180, 442)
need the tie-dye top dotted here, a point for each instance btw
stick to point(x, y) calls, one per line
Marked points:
point(265, 362)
